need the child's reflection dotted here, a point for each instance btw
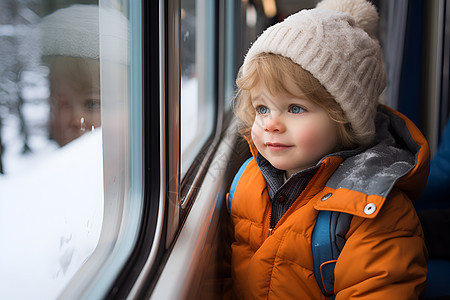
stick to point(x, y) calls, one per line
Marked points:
point(74, 98)
point(69, 39)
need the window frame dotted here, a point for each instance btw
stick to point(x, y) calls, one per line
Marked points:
point(183, 190)
point(163, 212)
point(140, 267)
point(99, 278)
point(173, 191)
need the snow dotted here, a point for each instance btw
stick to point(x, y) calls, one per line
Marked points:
point(50, 219)
point(189, 111)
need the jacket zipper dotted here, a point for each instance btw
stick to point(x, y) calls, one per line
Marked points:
point(269, 233)
point(272, 230)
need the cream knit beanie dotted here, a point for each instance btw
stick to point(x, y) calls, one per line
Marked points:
point(336, 42)
point(75, 31)
point(71, 31)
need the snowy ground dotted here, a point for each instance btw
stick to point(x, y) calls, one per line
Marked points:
point(50, 219)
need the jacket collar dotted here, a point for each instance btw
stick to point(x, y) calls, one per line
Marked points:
point(399, 157)
point(375, 170)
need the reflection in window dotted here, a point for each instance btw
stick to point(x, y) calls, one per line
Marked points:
point(69, 42)
point(51, 186)
point(197, 80)
point(74, 97)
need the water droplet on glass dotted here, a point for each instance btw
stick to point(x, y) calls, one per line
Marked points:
point(83, 125)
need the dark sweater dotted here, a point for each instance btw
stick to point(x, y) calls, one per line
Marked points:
point(283, 194)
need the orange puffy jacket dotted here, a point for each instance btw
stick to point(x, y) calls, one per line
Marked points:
point(385, 255)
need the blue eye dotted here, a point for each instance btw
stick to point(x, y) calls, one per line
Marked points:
point(295, 109)
point(92, 104)
point(262, 110)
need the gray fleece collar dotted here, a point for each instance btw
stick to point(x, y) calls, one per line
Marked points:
point(374, 171)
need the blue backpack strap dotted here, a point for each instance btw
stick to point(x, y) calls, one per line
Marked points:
point(327, 241)
point(235, 182)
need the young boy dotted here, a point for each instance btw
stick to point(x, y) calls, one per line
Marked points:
point(70, 47)
point(308, 104)
point(74, 97)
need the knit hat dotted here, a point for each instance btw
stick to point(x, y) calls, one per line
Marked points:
point(74, 31)
point(71, 31)
point(336, 42)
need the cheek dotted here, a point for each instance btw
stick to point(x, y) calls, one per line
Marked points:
point(315, 139)
point(258, 125)
point(308, 137)
point(256, 134)
point(96, 120)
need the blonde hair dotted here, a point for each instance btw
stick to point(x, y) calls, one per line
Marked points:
point(83, 74)
point(276, 72)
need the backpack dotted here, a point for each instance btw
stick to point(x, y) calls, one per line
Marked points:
point(327, 240)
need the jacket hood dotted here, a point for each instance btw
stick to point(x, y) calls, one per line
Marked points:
point(399, 157)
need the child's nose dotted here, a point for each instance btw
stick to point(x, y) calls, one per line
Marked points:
point(274, 124)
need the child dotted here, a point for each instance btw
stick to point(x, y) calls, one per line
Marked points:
point(70, 48)
point(308, 104)
point(74, 97)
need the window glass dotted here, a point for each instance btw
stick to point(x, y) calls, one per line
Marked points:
point(51, 186)
point(231, 43)
point(197, 80)
point(64, 105)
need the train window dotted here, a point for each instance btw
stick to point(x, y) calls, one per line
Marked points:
point(229, 53)
point(51, 145)
point(197, 42)
point(70, 144)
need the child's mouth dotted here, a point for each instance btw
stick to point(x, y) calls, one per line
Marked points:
point(277, 146)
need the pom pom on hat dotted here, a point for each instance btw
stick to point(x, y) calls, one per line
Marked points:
point(336, 42)
point(364, 13)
